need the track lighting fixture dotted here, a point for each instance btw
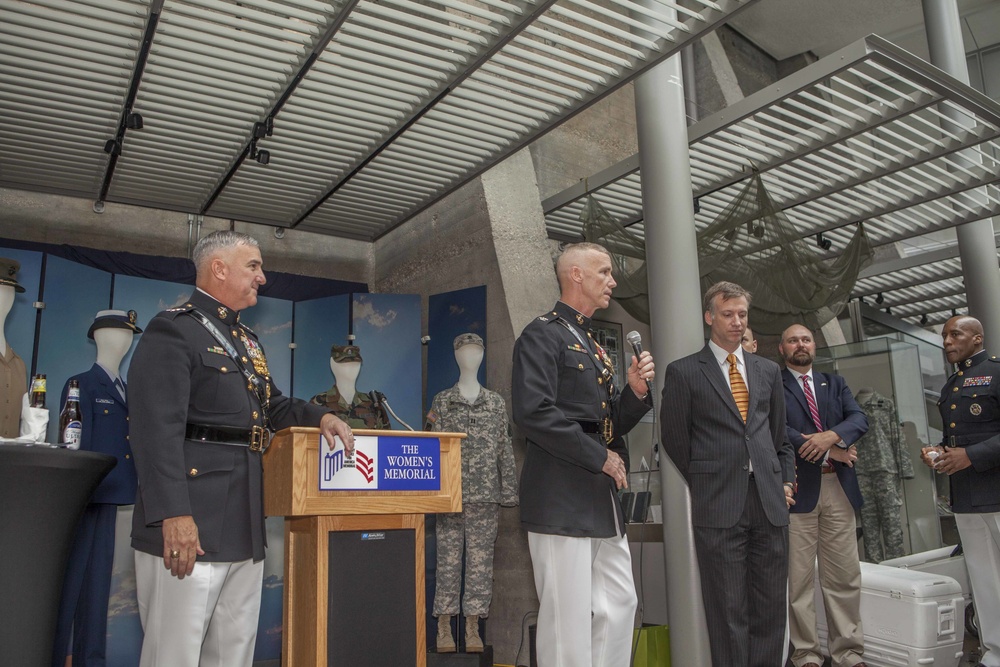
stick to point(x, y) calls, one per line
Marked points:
point(823, 242)
point(888, 310)
point(134, 121)
point(879, 299)
point(269, 125)
point(954, 312)
point(923, 320)
point(113, 147)
point(261, 156)
point(259, 130)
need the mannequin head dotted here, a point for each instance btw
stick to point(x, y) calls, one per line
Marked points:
point(113, 330)
point(469, 357)
point(345, 362)
point(6, 300)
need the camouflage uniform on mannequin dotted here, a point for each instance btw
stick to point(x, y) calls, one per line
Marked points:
point(345, 362)
point(488, 481)
point(883, 463)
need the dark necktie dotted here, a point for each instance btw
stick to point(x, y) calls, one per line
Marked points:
point(811, 402)
point(738, 387)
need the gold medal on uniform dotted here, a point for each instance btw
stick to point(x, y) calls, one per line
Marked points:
point(976, 409)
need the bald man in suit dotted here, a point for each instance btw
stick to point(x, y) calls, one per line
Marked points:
point(723, 420)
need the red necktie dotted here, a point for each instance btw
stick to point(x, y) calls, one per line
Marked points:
point(811, 402)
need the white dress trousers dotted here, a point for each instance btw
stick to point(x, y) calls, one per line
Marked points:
point(586, 599)
point(207, 619)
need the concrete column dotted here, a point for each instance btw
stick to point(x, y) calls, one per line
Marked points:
point(976, 243)
point(675, 323)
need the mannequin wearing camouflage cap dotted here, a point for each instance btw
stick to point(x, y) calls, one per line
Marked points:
point(488, 481)
point(87, 585)
point(345, 363)
point(13, 374)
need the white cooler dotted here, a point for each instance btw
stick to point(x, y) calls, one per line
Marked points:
point(937, 561)
point(909, 618)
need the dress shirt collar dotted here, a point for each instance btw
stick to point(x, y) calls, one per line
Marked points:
point(721, 355)
point(798, 376)
point(111, 375)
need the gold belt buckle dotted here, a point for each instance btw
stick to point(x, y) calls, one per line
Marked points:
point(260, 438)
point(609, 430)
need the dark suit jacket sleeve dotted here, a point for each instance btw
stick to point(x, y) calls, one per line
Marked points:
point(984, 455)
point(778, 418)
point(675, 417)
point(535, 380)
point(855, 422)
point(159, 393)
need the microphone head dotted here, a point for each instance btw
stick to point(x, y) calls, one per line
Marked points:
point(633, 338)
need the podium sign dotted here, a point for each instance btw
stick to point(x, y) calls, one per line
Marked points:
point(382, 463)
point(358, 519)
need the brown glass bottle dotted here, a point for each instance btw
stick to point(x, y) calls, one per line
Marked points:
point(70, 422)
point(38, 391)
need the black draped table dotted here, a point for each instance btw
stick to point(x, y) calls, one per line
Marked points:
point(43, 491)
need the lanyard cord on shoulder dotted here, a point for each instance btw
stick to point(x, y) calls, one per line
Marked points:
point(254, 380)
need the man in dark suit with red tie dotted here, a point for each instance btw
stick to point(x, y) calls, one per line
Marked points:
point(723, 416)
point(824, 421)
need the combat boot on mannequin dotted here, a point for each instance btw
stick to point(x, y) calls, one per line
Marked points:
point(445, 642)
point(473, 643)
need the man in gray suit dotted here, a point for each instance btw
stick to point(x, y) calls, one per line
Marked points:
point(723, 420)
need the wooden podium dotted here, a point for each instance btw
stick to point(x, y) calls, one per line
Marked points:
point(313, 622)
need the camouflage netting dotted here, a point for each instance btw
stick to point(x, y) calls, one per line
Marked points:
point(753, 244)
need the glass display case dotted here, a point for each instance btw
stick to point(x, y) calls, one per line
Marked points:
point(893, 368)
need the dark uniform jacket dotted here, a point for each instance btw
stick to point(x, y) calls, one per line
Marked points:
point(104, 419)
point(557, 393)
point(970, 410)
point(838, 412)
point(180, 375)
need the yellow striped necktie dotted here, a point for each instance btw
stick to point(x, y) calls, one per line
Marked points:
point(738, 387)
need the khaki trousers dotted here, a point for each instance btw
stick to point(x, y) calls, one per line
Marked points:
point(827, 535)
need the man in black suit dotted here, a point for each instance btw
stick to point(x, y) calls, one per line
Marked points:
point(571, 414)
point(970, 456)
point(723, 420)
point(202, 406)
point(824, 421)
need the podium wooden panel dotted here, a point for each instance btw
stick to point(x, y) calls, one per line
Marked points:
point(291, 490)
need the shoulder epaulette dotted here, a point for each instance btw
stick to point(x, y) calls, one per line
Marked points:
point(173, 312)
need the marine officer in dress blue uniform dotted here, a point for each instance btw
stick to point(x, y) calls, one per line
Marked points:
point(970, 456)
point(203, 406)
point(104, 417)
point(571, 415)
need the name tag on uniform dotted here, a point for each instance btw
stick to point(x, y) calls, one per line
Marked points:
point(104, 400)
point(981, 381)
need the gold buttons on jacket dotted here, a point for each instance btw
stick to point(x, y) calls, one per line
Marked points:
point(105, 411)
point(603, 404)
point(580, 366)
point(224, 369)
point(952, 406)
point(193, 472)
point(951, 425)
point(255, 415)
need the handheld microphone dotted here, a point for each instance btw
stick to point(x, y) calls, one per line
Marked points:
point(635, 340)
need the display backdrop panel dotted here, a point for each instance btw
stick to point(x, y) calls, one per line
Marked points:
point(448, 315)
point(19, 327)
point(73, 294)
point(319, 324)
point(387, 329)
point(147, 298)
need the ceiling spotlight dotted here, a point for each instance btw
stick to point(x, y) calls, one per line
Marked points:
point(823, 242)
point(263, 157)
point(269, 124)
point(923, 320)
point(259, 130)
point(134, 121)
point(954, 312)
point(888, 310)
point(879, 299)
point(112, 147)
point(861, 299)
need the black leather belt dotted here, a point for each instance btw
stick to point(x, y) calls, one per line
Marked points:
point(256, 439)
point(590, 426)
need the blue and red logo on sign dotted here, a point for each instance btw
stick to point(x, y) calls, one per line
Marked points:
point(384, 463)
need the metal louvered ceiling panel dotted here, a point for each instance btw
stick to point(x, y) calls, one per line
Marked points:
point(863, 136)
point(214, 69)
point(65, 71)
